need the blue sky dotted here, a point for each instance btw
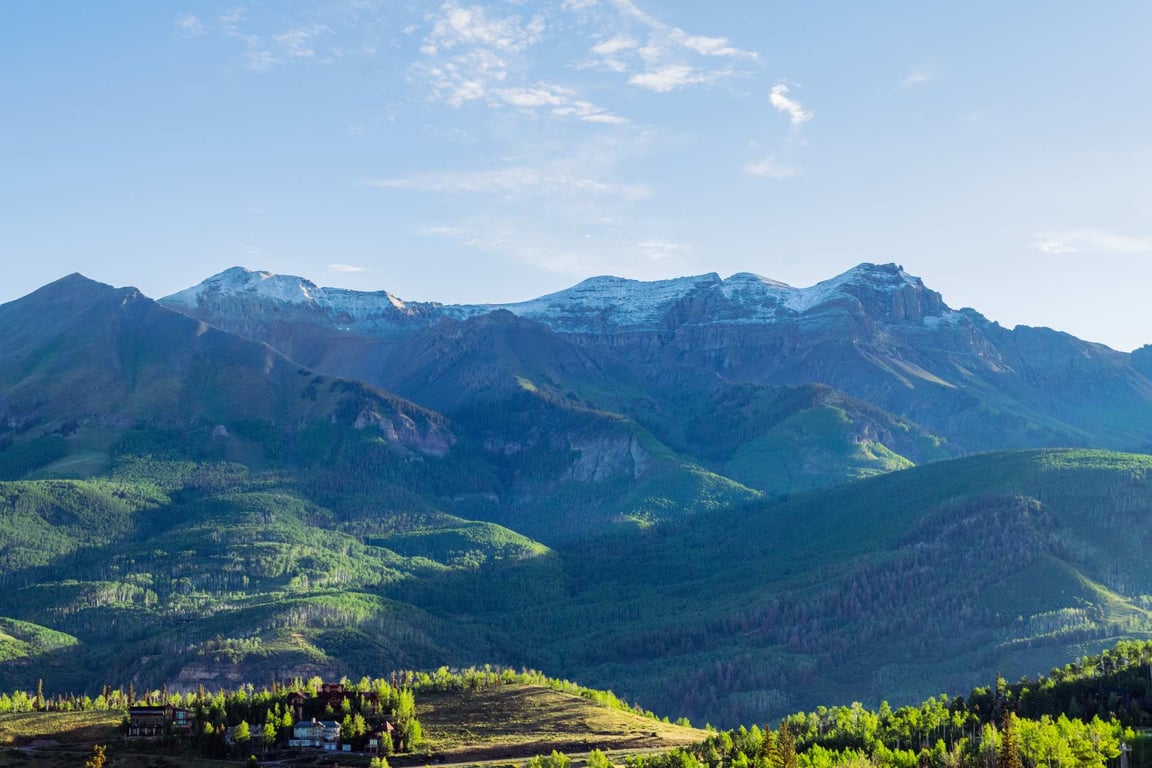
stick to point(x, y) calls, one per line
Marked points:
point(494, 151)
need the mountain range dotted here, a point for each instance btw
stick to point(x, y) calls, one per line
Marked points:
point(634, 483)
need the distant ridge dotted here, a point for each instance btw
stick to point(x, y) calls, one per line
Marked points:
point(875, 333)
point(598, 303)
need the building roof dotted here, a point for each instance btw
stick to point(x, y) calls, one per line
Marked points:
point(317, 723)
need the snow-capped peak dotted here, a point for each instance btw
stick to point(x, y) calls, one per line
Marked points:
point(265, 285)
point(283, 289)
point(608, 300)
point(598, 304)
point(876, 277)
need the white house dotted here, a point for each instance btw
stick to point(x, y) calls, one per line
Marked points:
point(316, 734)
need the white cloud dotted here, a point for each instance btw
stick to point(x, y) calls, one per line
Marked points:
point(459, 26)
point(657, 250)
point(346, 268)
point(782, 102)
point(563, 102)
point(603, 118)
point(1091, 241)
point(298, 43)
point(261, 59)
point(229, 21)
point(672, 77)
point(1052, 246)
point(574, 252)
point(472, 55)
point(710, 46)
point(190, 26)
point(770, 168)
point(538, 96)
point(658, 56)
point(554, 177)
point(614, 45)
point(918, 77)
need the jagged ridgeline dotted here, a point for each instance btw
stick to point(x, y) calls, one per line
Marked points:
point(631, 498)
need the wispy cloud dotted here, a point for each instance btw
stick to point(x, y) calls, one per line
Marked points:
point(299, 43)
point(771, 168)
point(658, 56)
point(614, 45)
point(782, 102)
point(469, 54)
point(229, 21)
point(1052, 246)
point(659, 250)
point(771, 165)
point(915, 78)
point(673, 77)
point(346, 268)
point(606, 251)
point(268, 48)
point(489, 53)
point(474, 55)
point(190, 26)
point(552, 177)
point(1091, 241)
point(456, 26)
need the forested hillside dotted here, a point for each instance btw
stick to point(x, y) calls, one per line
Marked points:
point(179, 505)
point(935, 577)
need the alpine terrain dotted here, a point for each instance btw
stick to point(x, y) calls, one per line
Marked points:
point(730, 498)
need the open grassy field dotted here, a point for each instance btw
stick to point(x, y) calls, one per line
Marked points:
point(31, 728)
point(65, 739)
point(525, 720)
point(504, 722)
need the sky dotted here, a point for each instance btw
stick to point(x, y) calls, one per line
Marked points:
point(495, 151)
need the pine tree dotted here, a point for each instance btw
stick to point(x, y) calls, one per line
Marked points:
point(786, 747)
point(1009, 754)
point(769, 749)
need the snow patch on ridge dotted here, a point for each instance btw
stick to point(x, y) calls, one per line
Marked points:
point(290, 290)
point(617, 300)
point(596, 304)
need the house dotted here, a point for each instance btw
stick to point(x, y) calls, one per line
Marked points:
point(376, 739)
point(329, 695)
point(158, 722)
point(316, 734)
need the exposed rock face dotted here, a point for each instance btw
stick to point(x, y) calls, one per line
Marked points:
point(607, 457)
point(402, 431)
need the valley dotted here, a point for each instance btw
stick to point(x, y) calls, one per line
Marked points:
point(699, 502)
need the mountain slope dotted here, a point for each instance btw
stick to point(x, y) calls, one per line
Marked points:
point(89, 372)
point(84, 361)
point(898, 586)
point(458, 359)
point(615, 505)
point(875, 333)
